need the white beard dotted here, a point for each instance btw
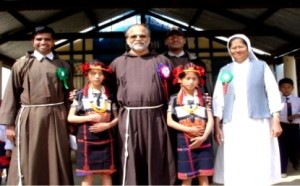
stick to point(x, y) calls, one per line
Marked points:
point(139, 46)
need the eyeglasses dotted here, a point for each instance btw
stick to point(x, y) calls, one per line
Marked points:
point(135, 36)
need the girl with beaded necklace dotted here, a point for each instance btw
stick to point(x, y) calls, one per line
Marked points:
point(95, 116)
point(192, 118)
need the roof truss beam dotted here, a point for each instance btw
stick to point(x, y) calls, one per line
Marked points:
point(20, 18)
point(92, 33)
point(195, 17)
point(294, 41)
point(24, 32)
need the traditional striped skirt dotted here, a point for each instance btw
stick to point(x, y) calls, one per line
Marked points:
point(95, 152)
point(194, 162)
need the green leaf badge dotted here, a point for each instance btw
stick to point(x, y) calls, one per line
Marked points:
point(62, 75)
point(226, 77)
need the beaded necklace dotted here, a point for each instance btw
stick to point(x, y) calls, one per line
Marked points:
point(102, 106)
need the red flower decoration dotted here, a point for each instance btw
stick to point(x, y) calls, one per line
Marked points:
point(201, 70)
point(176, 72)
point(85, 68)
point(109, 69)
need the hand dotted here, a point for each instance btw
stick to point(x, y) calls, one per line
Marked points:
point(99, 127)
point(72, 94)
point(218, 136)
point(196, 142)
point(276, 127)
point(8, 153)
point(293, 117)
point(196, 131)
point(11, 133)
point(207, 100)
point(99, 117)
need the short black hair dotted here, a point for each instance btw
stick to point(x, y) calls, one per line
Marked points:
point(42, 29)
point(174, 31)
point(286, 81)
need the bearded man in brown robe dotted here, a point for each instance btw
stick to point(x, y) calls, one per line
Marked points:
point(145, 148)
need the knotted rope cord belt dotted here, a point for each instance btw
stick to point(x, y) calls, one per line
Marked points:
point(18, 135)
point(127, 135)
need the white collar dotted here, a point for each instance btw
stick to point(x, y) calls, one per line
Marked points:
point(40, 57)
point(175, 55)
point(194, 97)
point(247, 60)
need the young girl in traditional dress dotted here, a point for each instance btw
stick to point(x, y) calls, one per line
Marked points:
point(189, 114)
point(94, 115)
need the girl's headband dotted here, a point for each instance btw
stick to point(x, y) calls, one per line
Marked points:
point(95, 65)
point(190, 67)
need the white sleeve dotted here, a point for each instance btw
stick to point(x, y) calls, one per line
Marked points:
point(2, 132)
point(218, 99)
point(8, 145)
point(273, 93)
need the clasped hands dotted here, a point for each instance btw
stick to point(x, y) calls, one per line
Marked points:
point(100, 122)
point(198, 132)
